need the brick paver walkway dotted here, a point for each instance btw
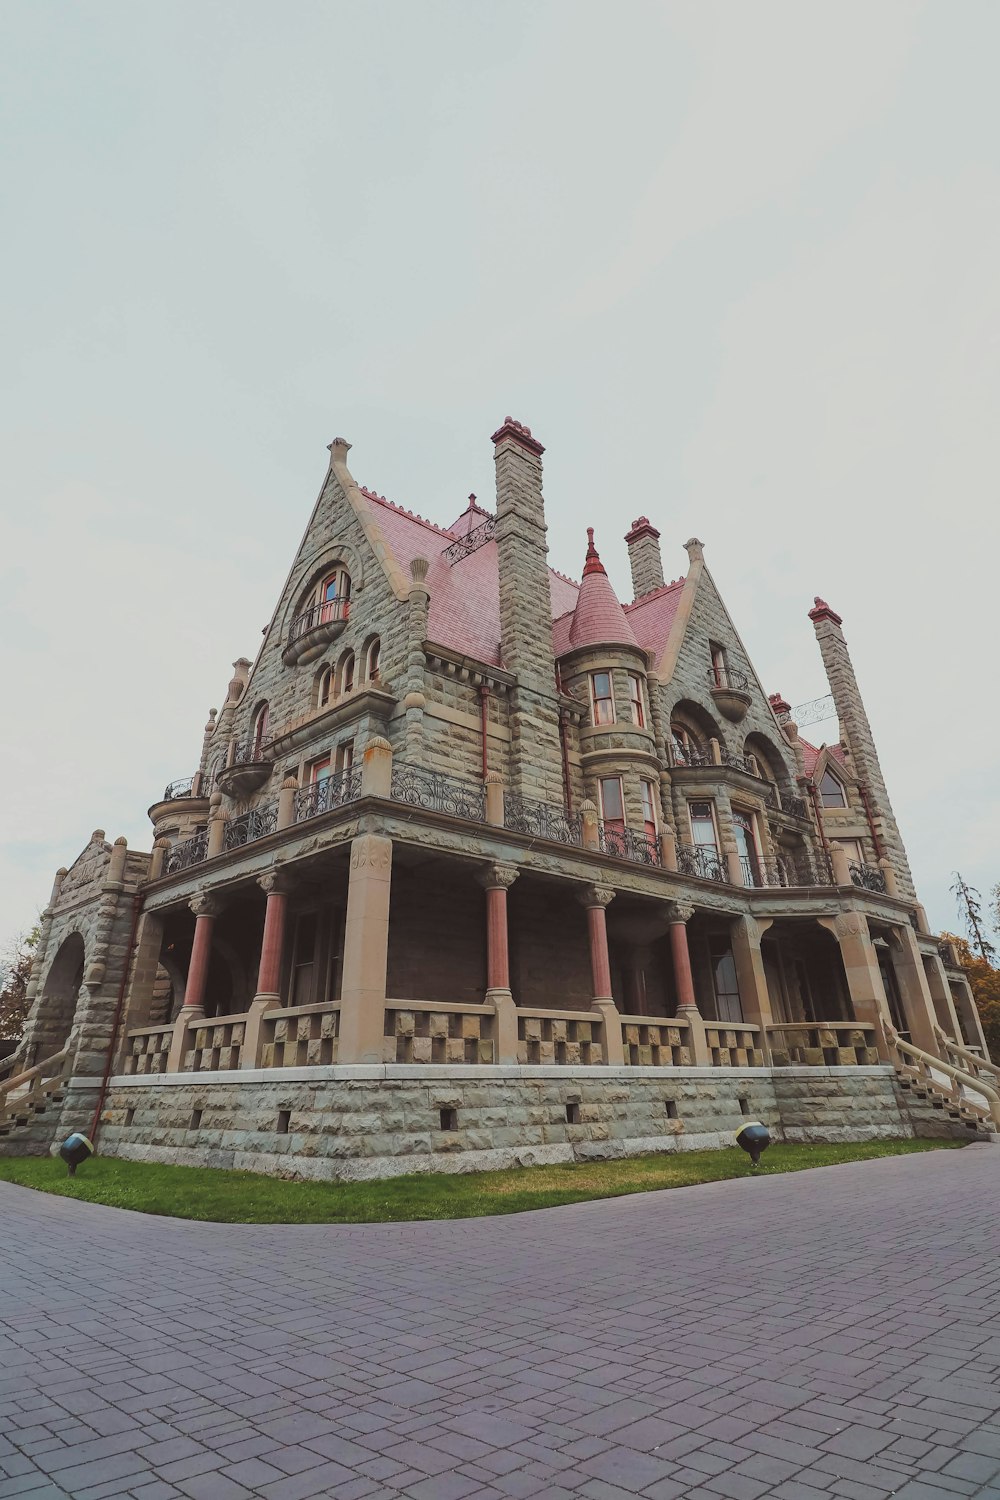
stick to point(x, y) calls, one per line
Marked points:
point(834, 1333)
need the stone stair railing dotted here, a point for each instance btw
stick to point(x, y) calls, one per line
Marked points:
point(27, 1095)
point(929, 1077)
point(972, 1062)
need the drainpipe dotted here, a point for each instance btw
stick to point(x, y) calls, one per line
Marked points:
point(95, 1124)
point(870, 815)
point(814, 797)
point(484, 705)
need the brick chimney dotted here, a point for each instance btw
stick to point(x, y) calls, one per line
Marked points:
point(526, 613)
point(644, 555)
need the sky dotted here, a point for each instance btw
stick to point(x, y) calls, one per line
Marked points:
point(734, 263)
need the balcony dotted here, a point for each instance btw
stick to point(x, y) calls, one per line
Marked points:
point(701, 862)
point(250, 765)
point(191, 852)
point(312, 631)
point(868, 877)
point(256, 824)
point(331, 792)
point(730, 692)
point(759, 871)
point(782, 801)
point(186, 786)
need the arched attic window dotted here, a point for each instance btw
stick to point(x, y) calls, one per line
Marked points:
point(258, 733)
point(333, 595)
point(831, 790)
point(372, 657)
point(324, 686)
point(345, 674)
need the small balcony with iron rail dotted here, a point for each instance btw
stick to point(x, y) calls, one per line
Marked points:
point(313, 629)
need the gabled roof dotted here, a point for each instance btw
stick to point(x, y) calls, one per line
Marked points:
point(812, 754)
point(465, 594)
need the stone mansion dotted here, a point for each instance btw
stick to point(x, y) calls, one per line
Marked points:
point(479, 864)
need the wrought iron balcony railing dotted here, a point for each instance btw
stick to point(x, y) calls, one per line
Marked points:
point(785, 802)
point(541, 820)
point(332, 791)
point(628, 843)
point(253, 825)
point(191, 852)
point(185, 787)
point(701, 862)
point(728, 677)
point(868, 877)
point(436, 792)
point(767, 870)
point(325, 613)
point(249, 752)
point(744, 763)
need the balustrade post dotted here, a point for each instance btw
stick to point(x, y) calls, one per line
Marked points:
point(755, 1000)
point(366, 949)
point(687, 1004)
point(841, 865)
point(668, 848)
point(590, 825)
point(376, 768)
point(596, 899)
point(158, 858)
point(493, 781)
point(497, 880)
point(889, 876)
point(715, 750)
point(286, 802)
point(217, 820)
point(734, 868)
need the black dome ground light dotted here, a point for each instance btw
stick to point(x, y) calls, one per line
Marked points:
point(753, 1139)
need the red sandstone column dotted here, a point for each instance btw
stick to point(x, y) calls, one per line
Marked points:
point(596, 898)
point(497, 880)
point(273, 941)
point(205, 909)
point(687, 1004)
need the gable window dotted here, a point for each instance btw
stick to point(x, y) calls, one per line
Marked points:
point(635, 700)
point(719, 665)
point(603, 697)
point(372, 662)
point(831, 790)
point(612, 802)
point(333, 595)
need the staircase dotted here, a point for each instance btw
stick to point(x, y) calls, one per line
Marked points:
point(26, 1096)
point(953, 1104)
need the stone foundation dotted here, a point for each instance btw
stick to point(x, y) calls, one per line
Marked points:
point(352, 1123)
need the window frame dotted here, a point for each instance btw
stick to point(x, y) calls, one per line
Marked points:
point(596, 698)
point(840, 785)
point(652, 823)
point(613, 822)
point(637, 702)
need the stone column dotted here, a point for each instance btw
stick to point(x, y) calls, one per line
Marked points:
point(687, 1005)
point(944, 1004)
point(497, 880)
point(864, 978)
point(366, 949)
point(754, 997)
point(596, 899)
point(915, 991)
point(275, 885)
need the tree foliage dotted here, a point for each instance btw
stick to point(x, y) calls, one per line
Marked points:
point(970, 906)
point(984, 981)
point(15, 970)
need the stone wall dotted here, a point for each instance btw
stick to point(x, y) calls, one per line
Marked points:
point(379, 1122)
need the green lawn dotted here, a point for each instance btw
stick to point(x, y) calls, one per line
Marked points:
point(249, 1198)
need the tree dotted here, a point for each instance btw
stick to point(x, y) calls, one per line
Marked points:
point(984, 981)
point(970, 908)
point(15, 970)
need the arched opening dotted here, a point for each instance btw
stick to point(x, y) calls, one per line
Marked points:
point(324, 687)
point(770, 766)
point(372, 656)
point(258, 734)
point(345, 674)
point(57, 1007)
point(831, 790)
point(691, 728)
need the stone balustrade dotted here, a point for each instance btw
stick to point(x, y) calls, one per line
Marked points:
point(300, 1036)
point(214, 1045)
point(428, 1032)
point(656, 1042)
point(734, 1046)
point(149, 1049)
point(826, 1044)
point(571, 1038)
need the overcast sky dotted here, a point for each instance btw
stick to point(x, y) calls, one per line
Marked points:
point(735, 264)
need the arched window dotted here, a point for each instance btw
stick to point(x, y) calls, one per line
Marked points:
point(258, 734)
point(687, 747)
point(372, 661)
point(324, 687)
point(345, 674)
point(333, 594)
point(831, 790)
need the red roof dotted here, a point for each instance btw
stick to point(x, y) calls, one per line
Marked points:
point(465, 595)
point(812, 754)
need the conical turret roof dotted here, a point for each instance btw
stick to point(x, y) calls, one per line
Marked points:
point(598, 619)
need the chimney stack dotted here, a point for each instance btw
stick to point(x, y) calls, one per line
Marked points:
point(644, 555)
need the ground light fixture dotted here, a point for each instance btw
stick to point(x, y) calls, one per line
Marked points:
point(753, 1139)
point(74, 1150)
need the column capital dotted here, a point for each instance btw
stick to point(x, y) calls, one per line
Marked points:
point(595, 895)
point(279, 881)
point(372, 851)
point(497, 876)
point(679, 911)
point(205, 904)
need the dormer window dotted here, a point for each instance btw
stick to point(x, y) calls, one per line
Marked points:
point(602, 697)
point(831, 790)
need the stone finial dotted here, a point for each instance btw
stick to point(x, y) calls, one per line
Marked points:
point(121, 840)
point(378, 742)
point(822, 611)
point(212, 716)
point(593, 562)
point(161, 844)
point(778, 703)
point(338, 450)
point(695, 549)
point(97, 837)
point(587, 806)
point(418, 569)
point(493, 778)
point(290, 784)
point(521, 434)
